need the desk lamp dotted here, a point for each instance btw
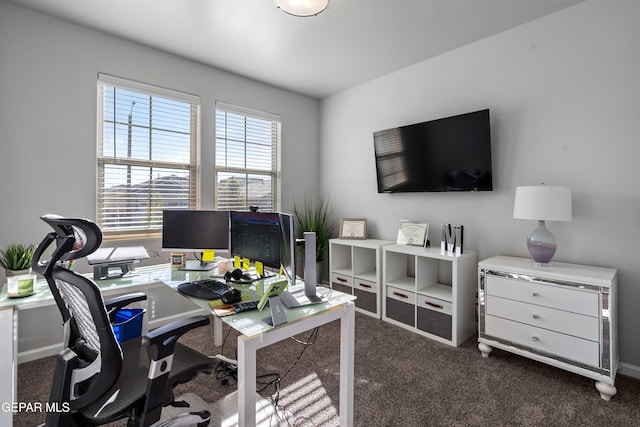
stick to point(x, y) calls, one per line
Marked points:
point(542, 203)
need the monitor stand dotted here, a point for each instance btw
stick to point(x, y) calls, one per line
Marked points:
point(198, 266)
point(298, 298)
point(306, 295)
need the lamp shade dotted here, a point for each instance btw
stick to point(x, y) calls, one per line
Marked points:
point(542, 202)
point(302, 7)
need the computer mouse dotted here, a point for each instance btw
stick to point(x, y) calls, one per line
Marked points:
point(231, 296)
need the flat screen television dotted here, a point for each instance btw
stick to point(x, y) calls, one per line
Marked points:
point(448, 154)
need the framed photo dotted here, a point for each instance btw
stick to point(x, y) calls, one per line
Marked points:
point(413, 233)
point(177, 260)
point(353, 228)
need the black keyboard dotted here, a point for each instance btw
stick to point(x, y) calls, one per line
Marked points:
point(208, 289)
point(243, 306)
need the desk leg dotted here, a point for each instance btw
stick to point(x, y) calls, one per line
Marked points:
point(347, 346)
point(217, 331)
point(247, 381)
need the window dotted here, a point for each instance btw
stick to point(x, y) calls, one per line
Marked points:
point(148, 155)
point(247, 159)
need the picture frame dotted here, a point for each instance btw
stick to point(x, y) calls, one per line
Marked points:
point(177, 260)
point(413, 233)
point(353, 228)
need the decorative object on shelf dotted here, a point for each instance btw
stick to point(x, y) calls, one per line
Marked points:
point(542, 203)
point(302, 7)
point(452, 239)
point(353, 228)
point(16, 260)
point(413, 233)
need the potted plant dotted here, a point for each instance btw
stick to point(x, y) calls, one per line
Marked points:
point(16, 260)
point(316, 217)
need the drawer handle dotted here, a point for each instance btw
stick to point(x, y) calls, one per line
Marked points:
point(398, 294)
point(536, 339)
point(340, 279)
point(434, 305)
point(535, 316)
point(364, 285)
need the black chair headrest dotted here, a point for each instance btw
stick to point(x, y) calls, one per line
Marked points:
point(75, 238)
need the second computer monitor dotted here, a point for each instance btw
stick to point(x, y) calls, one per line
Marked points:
point(264, 236)
point(256, 236)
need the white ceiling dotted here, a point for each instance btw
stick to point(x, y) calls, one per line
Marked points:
point(351, 42)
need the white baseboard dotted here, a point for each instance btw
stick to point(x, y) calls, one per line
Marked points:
point(629, 370)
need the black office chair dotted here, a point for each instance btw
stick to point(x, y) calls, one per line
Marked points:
point(96, 379)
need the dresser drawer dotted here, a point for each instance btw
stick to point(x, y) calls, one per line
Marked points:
point(542, 340)
point(562, 298)
point(341, 279)
point(565, 322)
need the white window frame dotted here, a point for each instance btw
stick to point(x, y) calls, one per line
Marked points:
point(248, 170)
point(151, 225)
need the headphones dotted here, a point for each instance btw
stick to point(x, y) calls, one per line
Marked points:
point(234, 275)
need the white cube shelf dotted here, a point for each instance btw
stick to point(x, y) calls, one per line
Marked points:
point(355, 268)
point(430, 293)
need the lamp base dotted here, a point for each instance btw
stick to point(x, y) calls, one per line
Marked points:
point(542, 244)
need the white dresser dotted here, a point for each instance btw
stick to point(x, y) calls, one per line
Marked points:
point(560, 314)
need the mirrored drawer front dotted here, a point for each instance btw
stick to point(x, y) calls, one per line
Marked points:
point(365, 285)
point(542, 340)
point(544, 317)
point(341, 279)
point(434, 304)
point(562, 298)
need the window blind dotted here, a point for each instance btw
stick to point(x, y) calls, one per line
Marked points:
point(247, 164)
point(148, 148)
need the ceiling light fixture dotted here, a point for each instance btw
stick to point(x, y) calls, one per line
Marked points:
point(302, 7)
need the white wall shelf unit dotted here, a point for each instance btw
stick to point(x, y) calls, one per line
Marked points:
point(430, 293)
point(561, 314)
point(356, 268)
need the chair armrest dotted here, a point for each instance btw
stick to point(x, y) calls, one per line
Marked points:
point(115, 304)
point(165, 337)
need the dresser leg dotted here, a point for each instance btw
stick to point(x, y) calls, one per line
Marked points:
point(607, 391)
point(484, 349)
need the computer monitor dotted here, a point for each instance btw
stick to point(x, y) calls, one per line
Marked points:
point(288, 246)
point(196, 231)
point(256, 236)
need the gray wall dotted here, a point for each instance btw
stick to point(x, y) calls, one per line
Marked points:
point(48, 76)
point(564, 96)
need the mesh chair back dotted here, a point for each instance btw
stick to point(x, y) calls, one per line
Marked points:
point(89, 333)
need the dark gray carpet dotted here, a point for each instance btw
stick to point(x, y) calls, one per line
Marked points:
point(401, 379)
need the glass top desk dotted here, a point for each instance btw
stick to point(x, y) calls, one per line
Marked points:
point(254, 332)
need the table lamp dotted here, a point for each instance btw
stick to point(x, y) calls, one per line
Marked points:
point(542, 203)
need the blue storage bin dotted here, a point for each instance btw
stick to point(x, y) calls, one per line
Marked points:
point(128, 324)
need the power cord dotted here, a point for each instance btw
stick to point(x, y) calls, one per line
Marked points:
point(226, 370)
point(277, 379)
